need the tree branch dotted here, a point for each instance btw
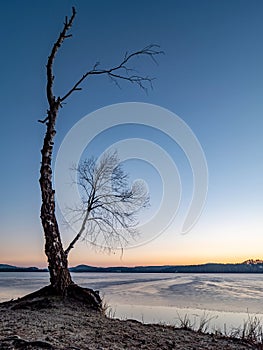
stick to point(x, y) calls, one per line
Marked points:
point(109, 207)
point(43, 120)
point(150, 51)
point(77, 237)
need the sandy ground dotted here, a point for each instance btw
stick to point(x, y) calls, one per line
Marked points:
point(58, 325)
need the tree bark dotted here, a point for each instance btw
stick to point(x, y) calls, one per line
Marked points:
point(60, 277)
point(57, 257)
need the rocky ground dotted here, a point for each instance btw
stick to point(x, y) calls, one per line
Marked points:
point(53, 324)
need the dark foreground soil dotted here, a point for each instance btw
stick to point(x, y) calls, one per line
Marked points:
point(54, 324)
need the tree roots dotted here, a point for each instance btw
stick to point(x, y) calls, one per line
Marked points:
point(44, 297)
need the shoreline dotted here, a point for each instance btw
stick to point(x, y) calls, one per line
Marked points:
point(60, 324)
point(161, 300)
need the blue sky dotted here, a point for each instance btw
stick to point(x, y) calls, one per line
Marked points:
point(211, 76)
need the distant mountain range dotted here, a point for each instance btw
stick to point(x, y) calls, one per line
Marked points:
point(11, 268)
point(248, 266)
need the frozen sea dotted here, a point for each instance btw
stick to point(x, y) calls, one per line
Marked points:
point(228, 299)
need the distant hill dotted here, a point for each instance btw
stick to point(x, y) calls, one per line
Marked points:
point(11, 268)
point(248, 266)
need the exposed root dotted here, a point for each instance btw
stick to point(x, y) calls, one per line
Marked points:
point(45, 297)
point(15, 342)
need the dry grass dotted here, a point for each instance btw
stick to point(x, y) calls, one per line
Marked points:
point(251, 331)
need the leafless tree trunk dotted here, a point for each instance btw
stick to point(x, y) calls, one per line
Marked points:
point(57, 257)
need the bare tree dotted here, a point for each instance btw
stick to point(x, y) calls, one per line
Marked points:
point(60, 277)
point(108, 208)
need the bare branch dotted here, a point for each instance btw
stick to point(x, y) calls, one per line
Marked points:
point(109, 208)
point(122, 70)
point(43, 121)
point(71, 245)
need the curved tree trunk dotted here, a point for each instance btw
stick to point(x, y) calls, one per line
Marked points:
point(57, 259)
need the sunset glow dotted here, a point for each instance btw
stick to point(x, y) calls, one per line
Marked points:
point(210, 77)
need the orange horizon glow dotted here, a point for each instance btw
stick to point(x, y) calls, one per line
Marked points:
point(119, 262)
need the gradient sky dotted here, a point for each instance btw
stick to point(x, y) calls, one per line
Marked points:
point(211, 76)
